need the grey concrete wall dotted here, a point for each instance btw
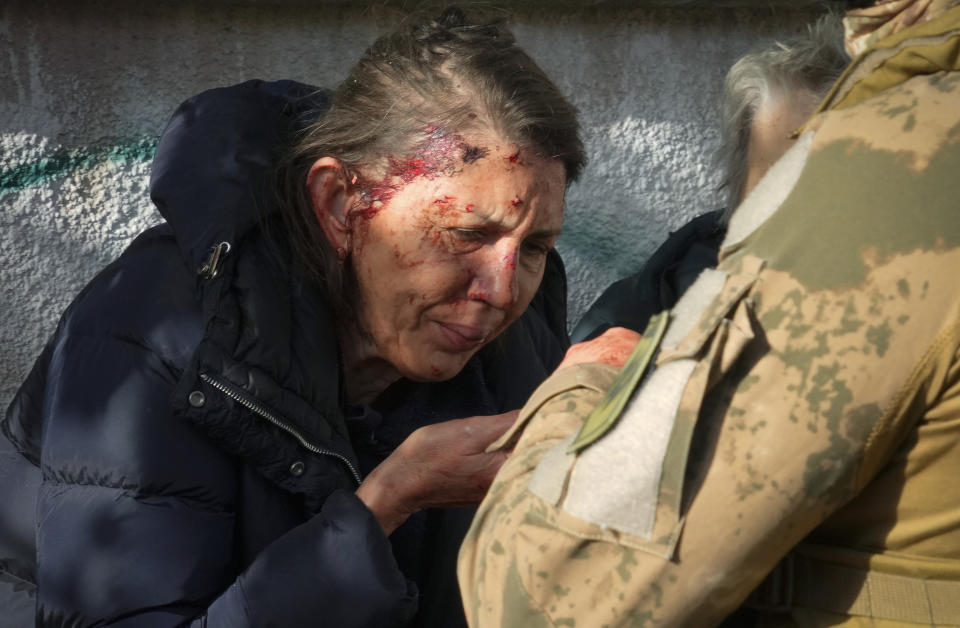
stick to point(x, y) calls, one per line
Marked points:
point(86, 87)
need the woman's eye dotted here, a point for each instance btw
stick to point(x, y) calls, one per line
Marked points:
point(535, 248)
point(459, 240)
point(468, 235)
point(534, 255)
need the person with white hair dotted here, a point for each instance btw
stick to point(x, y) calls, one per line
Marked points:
point(766, 96)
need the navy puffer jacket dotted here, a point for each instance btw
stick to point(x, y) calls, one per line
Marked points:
point(659, 284)
point(179, 449)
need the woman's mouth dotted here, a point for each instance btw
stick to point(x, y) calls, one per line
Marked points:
point(461, 337)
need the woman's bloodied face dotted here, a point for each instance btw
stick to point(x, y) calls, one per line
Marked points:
point(450, 248)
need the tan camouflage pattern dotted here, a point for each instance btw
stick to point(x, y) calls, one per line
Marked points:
point(865, 27)
point(823, 414)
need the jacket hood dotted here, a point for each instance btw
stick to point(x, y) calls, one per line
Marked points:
point(213, 163)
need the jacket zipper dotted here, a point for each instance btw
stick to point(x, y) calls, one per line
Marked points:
point(253, 406)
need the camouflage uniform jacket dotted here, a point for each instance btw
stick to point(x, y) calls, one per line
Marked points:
point(804, 406)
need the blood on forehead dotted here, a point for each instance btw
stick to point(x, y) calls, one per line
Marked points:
point(441, 153)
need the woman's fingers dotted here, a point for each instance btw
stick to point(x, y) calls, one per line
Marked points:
point(439, 465)
point(480, 431)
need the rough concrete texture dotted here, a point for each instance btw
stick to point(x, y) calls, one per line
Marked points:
point(86, 87)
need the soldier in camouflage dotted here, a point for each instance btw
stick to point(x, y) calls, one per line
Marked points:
point(796, 437)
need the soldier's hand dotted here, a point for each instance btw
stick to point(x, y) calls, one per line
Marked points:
point(439, 465)
point(612, 347)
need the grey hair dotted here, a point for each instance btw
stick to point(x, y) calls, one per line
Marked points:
point(808, 65)
point(440, 76)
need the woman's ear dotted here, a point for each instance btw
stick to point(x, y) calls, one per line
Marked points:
point(331, 195)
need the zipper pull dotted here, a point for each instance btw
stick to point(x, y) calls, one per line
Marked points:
point(210, 268)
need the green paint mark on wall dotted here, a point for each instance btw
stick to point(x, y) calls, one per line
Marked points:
point(65, 162)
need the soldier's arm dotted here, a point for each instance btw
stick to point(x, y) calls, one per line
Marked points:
point(793, 425)
point(816, 370)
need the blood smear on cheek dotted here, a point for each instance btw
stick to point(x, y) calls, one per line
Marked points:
point(404, 259)
point(434, 237)
point(373, 198)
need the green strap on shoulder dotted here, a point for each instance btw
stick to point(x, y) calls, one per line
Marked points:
point(605, 415)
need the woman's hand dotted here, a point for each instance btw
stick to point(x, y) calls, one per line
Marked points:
point(612, 347)
point(438, 465)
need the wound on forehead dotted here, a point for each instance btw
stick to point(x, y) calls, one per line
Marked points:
point(441, 153)
point(473, 153)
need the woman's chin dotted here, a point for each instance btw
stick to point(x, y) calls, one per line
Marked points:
point(438, 367)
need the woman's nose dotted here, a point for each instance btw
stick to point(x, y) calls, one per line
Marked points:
point(495, 280)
